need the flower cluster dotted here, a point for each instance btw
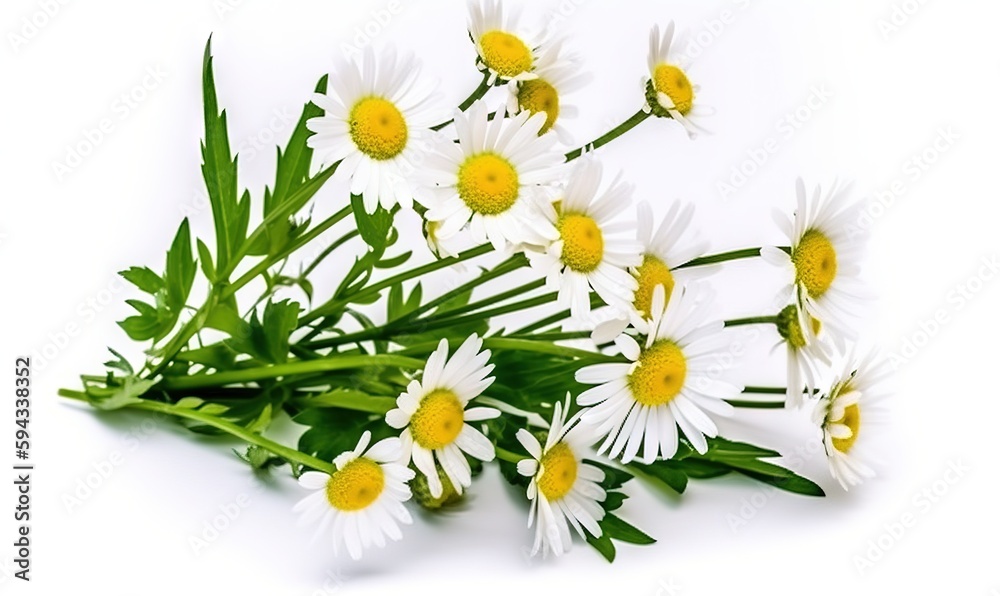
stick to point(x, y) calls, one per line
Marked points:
point(441, 387)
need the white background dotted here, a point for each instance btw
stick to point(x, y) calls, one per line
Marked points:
point(891, 88)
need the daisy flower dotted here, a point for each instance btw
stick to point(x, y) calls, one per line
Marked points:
point(668, 383)
point(489, 178)
point(824, 258)
point(504, 51)
point(662, 252)
point(432, 413)
point(563, 490)
point(843, 413)
point(557, 74)
point(807, 349)
point(669, 92)
point(588, 252)
point(363, 500)
point(375, 119)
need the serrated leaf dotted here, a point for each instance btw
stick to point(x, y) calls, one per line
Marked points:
point(119, 363)
point(144, 309)
point(294, 162)
point(280, 319)
point(144, 279)
point(219, 170)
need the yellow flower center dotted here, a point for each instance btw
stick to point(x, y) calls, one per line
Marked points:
point(538, 96)
point(852, 420)
point(815, 263)
point(488, 183)
point(378, 128)
point(505, 54)
point(673, 82)
point(583, 242)
point(659, 374)
point(790, 329)
point(438, 419)
point(559, 468)
point(356, 485)
point(651, 273)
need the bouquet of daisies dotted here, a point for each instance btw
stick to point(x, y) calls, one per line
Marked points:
point(548, 330)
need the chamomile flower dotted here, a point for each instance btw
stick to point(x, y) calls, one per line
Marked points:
point(667, 384)
point(807, 349)
point(590, 251)
point(505, 51)
point(824, 258)
point(563, 490)
point(669, 91)
point(844, 415)
point(432, 413)
point(557, 75)
point(662, 252)
point(490, 178)
point(376, 118)
point(362, 501)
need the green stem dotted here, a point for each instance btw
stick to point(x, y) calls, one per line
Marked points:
point(334, 305)
point(760, 405)
point(348, 400)
point(509, 456)
point(480, 91)
point(611, 135)
point(328, 251)
point(520, 345)
point(299, 367)
point(239, 432)
point(769, 320)
point(266, 264)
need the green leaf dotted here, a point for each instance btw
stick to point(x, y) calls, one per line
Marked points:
point(119, 363)
point(720, 449)
point(144, 279)
point(231, 216)
point(619, 529)
point(603, 545)
point(614, 500)
point(217, 356)
point(280, 320)
point(180, 268)
point(205, 256)
point(699, 469)
point(113, 398)
point(374, 227)
point(663, 472)
point(294, 162)
point(794, 483)
point(141, 328)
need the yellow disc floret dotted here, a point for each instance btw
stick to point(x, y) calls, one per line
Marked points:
point(488, 184)
point(505, 54)
point(539, 96)
point(583, 242)
point(559, 467)
point(378, 128)
point(356, 485)
point(659, 375)
point(673, 82)
point(852, 420)
point(438, 420)
point(651, 273)
point(815, 262)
